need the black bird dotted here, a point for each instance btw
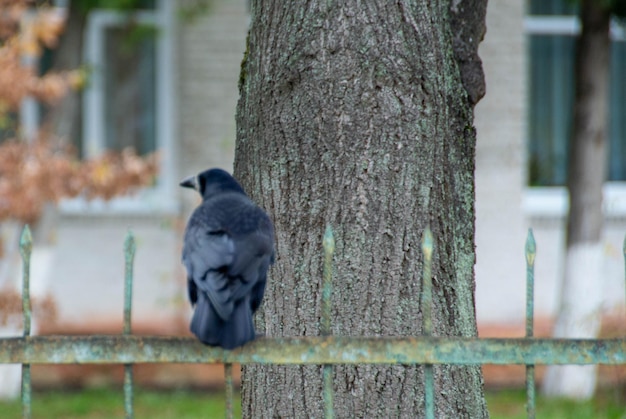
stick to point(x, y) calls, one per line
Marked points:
point(228, 248)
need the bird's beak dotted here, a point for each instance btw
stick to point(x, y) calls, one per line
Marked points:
point(190, 182)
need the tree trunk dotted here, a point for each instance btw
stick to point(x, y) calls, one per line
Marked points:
point(581, 296)
point(360, 115)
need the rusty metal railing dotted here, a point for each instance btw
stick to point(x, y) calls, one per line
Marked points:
point(326, 350)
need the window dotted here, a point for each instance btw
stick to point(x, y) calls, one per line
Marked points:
point(129, 98)
point(551, 27)
point(129, 86)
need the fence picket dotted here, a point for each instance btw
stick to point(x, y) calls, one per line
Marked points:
point(427, 321)
point(26, 248)
point(228, 384)
point(325, 321)
point(531, 251)
point(129, 258)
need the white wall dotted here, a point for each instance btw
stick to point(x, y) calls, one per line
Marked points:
point(500, 122)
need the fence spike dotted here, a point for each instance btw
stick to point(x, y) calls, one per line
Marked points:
point(26, 242)
point(531, 248)
point(427, 243)
point(329, 239)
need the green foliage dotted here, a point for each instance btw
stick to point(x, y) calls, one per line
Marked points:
point(121, 5)
point(511, 404)
point(189, 10)
point(109, 403)
point(133, 36)
point(618, 8)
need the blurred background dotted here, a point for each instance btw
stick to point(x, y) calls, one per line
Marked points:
point(160, 77)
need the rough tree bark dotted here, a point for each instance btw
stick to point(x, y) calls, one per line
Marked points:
point(581, 299)
point(360, 114)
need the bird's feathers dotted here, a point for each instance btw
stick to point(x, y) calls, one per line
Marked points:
point(228, 247)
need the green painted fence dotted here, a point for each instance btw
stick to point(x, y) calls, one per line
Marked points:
point(326, 350)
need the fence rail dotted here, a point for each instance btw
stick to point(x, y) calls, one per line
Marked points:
point(326, 350)
point(121, 349)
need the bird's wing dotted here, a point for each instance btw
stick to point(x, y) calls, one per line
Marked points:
point(253, 255)
point(208, 252)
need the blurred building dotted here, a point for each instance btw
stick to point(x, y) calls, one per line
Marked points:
point(163, 77)
point(523, 126)
point(176, 92)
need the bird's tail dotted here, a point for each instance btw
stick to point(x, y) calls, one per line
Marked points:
point(213, 331)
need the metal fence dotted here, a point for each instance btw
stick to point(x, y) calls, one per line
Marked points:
point(326, 350)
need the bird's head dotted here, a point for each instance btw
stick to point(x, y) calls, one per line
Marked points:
point(212, 182)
